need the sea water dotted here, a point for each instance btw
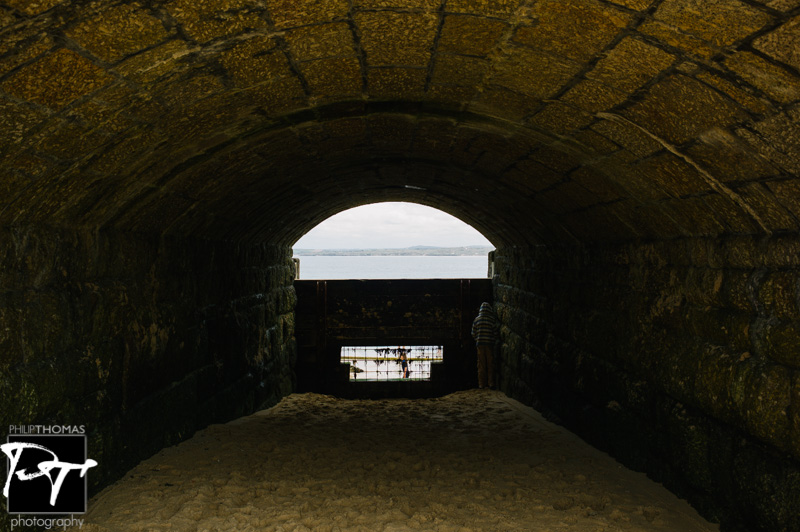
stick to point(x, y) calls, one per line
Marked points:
point(393, 267)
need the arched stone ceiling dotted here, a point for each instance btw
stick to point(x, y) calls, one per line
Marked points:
point(534, 121)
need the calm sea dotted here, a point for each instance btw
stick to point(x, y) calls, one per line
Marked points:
point(403, 267)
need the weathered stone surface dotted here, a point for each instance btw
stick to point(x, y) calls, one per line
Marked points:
point(317, 42)
point(34, 7)
point(727, 158)
point(204, 20)
point(674, 37)
point(794, 412)
point(115, 33)
point(286, 13)
point(694, 109)
point(782, 43)
point(773, 80)
point(533, 73)
point(333, 78)
point(560, 119)
point(720, 22)
point(56, 80)
point(744, 98)
point(469, 35)
point(396, 82)
point(630, 64)
point(700, 353)
point(593, 96)
point(658, 138)
point(574, 29)
point(411, 48)
point(459, 70)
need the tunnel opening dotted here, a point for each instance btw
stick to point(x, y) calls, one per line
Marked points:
point(339, 319)
point(392, 240)
point(635, 163)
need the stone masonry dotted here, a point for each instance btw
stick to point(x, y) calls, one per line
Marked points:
point(635, 162)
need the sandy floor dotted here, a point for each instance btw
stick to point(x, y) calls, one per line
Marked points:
point(470, 461)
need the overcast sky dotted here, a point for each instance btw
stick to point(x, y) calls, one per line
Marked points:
point(390, 225)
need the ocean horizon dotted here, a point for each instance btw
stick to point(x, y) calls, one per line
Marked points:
point(393, 267)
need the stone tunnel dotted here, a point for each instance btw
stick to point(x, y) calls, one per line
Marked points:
point(635, 163)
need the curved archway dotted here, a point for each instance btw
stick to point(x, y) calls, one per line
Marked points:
point(392, 240)
point(635, 161)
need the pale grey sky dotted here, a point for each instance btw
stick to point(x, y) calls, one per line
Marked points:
point(390, 225)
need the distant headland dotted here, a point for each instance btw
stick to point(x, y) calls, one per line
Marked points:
point(432, 251)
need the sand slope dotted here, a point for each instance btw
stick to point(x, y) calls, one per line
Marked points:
point(470, 461)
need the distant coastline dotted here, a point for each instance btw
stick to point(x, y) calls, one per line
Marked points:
point(432, 251)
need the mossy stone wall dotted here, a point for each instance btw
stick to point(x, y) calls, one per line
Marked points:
point(680, 358)
point(142, 339)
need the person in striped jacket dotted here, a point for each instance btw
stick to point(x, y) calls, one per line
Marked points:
point(485, 329)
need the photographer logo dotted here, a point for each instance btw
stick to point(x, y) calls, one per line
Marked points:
point(46, 470)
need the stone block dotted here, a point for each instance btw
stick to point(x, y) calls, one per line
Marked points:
point(639, 5)
point(557, 118)
point(497, 8)
point(761, 396)
point(317, 42)
point(594, 143)
point(699, 449)
point(333, 78)
point(779, 293)
point(694, 217)
point(679, 108)
point(780, 139)
point(56, 79)
point(574, 29)
point(533, 73)
point(468, 35)
point(459, 70)
point(795, 413)
point(775, 81)
point(22, 46)
point(503, 103)
point(34, 8)
point(704, 286)
point(593, 96)
point(729, 159)
point(783, 252)
point(782, 43)
point(255, 61)
point(764, 487)
point(391, 132)
point(278, 96)
point(782, 341)
point(287, 13)
point(781, 5)
point(118, 32)
point(745, 98)
point(205, 20)
point(732, 215)
point(449, 98)
point(627, 136)
point(719, 22)
point(396, 39)
point(630, 64)
point(566, 197)
point(386, 83)
point(787, 193)
point(741, 252)
point(673, 175)
point(601, 187)
point(421, 5)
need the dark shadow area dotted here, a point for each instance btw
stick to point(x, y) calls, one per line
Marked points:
point(336, 313)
